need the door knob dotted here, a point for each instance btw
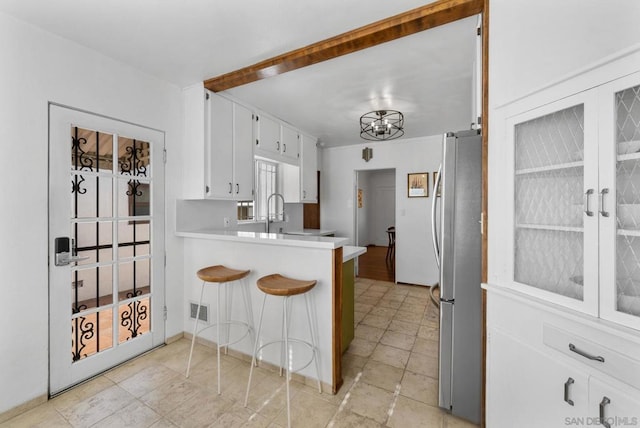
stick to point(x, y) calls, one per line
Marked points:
point(64, 253)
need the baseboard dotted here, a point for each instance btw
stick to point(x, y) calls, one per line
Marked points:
point(22, 408)
point(175, 338)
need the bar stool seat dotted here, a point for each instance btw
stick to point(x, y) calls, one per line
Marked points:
point(278, 285)
point(223, 277)
point(281, 286)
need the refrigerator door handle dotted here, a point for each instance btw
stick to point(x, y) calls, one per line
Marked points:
point(434, 227)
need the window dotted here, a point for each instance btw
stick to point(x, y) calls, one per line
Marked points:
point(266, 184)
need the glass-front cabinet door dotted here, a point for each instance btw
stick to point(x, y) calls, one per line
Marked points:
point(555, 202)
point(619, 211)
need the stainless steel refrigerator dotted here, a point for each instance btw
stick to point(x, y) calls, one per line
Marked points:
point(458, 247)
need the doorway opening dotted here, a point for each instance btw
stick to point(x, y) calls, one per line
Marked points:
point(375, 223)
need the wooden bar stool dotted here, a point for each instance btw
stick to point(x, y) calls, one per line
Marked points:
point(223, 277)
point(278, 285)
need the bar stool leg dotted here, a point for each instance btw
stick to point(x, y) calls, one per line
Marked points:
point(313, 342)
point(286, 358)
point(195, 329)
point(255, 351)
point(218, 332)
point(248, 310)
point(228, 312)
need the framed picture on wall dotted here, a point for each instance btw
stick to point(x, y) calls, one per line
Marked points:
point(418, 185)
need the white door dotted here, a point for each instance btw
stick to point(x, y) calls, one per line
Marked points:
point(106, 214)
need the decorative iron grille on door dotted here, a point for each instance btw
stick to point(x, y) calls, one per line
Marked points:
point(111, 186)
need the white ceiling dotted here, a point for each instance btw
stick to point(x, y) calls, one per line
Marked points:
point(427, 76)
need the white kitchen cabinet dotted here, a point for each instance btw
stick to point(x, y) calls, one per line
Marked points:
point(290, 143)
point(530, 388)
point(309, 169)
point(613, 405)
point(267, 132)
point(576, 225)
point(300, 183)
point(550, 366)
point(229, 142)
point(275, 140)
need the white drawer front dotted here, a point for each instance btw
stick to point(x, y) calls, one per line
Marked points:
point(598, 356)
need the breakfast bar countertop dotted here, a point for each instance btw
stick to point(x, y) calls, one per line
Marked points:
point(311, 232)
point(308, 241)
point(350, 252)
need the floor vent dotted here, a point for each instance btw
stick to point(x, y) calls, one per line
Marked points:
point(204, 312)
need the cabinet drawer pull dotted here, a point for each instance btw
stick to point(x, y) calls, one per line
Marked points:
point(587, 198)
point(568, 383)
point(230, 188)
point(603, 211)
point(284, 148)
point(278, 145)
point(603, 404)
point(237, 188)
point(573, 348)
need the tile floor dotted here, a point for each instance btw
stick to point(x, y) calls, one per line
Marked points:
point(390, 380)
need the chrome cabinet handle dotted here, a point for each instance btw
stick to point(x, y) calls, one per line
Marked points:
point(568, 383)
point(230, 188)
point(603, 211)
point(603, 404)
point(587, 197)
point(573, 348)
point(278, 145)
point(304, 194)
point(237, 188)
point(284, 148)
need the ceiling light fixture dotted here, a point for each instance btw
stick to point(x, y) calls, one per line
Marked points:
point(382, 125)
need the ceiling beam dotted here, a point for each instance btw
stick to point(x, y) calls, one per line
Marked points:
point(413, 21)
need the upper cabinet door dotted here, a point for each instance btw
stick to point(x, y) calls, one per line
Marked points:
point(242, 153)
point(268, 134)
point(290, 143)
point(555, 233)
point(309, 169)
point(219, 147)
point(619, 195)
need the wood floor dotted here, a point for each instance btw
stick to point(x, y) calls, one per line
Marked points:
point(375, 265)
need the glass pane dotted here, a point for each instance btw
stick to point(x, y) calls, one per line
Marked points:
point(133, 319)
point(556, 138)
point(550, 260)
point(91, 196)
point(628, 200)
point(91, 333)
point(91, 288)
point(94, 240)
point(133, 237)
point(134, 157)
point(549, 181)
point(134, 278)
point(134, 198)
point(91, 150)
point(550, 197)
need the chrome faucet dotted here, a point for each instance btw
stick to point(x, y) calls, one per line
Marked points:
point(276, 213)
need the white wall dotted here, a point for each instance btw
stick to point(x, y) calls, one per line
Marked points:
point(415, 263)
point(534, 45)
point(38, 67)
point(362, 214)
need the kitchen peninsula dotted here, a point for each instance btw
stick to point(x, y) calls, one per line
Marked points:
point(302, 257)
